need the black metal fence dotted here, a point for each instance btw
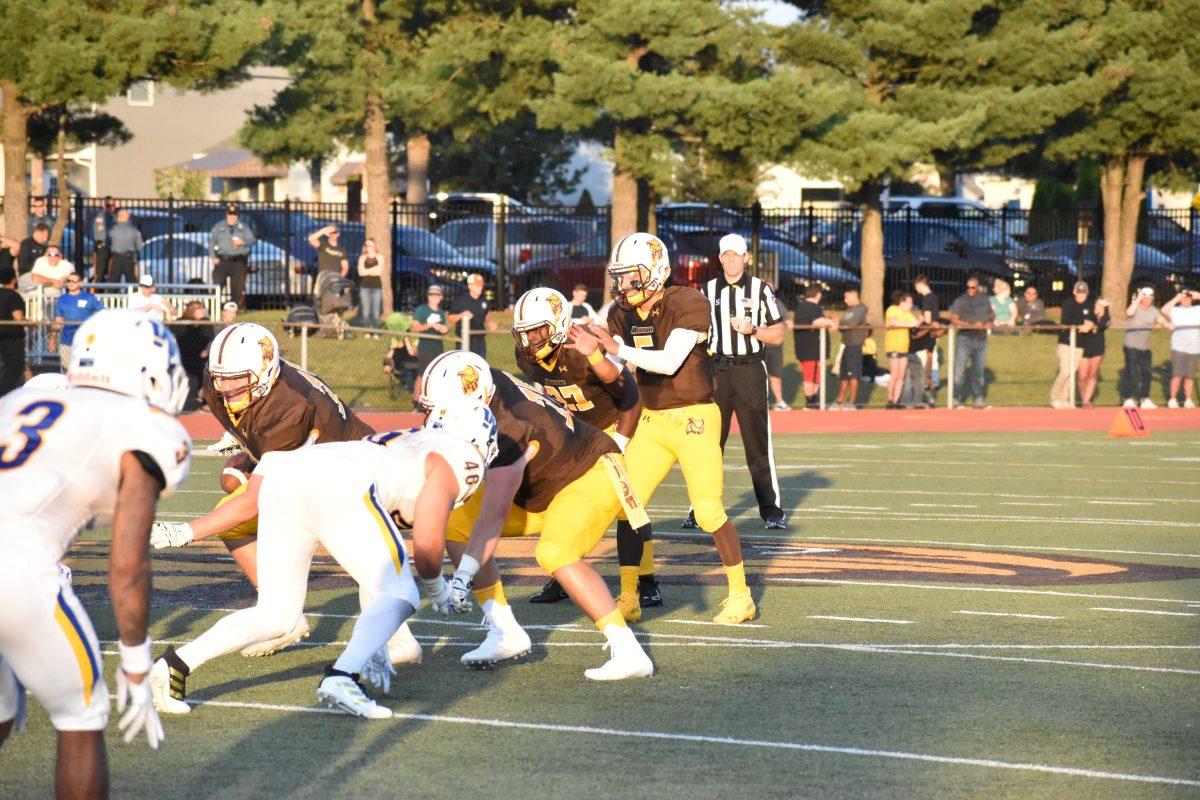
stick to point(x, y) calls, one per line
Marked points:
point(516, 247)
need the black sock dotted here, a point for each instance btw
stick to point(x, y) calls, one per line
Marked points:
point(629, 544)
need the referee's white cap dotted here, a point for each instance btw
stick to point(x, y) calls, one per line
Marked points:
point(732, 242)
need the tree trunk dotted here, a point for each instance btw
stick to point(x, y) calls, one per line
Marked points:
point(64, 188)
point(378, 226)
point(1116, 287)
point(16, 168)
point(872, 264)
point(1114, 188)
point(417, 150)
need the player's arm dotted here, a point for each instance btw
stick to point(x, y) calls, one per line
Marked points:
point(431, 512)
point(666, 361)
point(225, 517)
point(498, 495)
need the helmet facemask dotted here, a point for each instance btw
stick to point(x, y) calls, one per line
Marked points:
point(244, 386)
point(640, 289)
point(538, 342)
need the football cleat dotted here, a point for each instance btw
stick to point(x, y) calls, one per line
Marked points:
point(630, 607)
point(775, 524)
point(552, 592)
point(402, 648)
point(168, 683)
point(735, 609)
point(690, 523)
point(649, 595)
point(626, 660)
point(300, 630)
point(344, 693)
point(505, 640)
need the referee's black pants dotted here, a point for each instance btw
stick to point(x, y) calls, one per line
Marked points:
point(742, 389)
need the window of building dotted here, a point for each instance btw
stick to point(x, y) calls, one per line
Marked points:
point(141, 93)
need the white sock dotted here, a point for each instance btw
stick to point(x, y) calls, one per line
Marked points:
point(232, 632)
point(619, 634)
point(377, 623)
point(501, 614)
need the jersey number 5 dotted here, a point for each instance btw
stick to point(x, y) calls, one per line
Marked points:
point(32, 421)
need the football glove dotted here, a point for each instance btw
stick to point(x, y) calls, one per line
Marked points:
point(460, 593)
point(225, 446)
point(378, 670)
point(170, 534)
point(134, 699)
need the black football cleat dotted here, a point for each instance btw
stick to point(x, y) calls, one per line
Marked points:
point(690, 523)
point(552, 592)
point(649, 595)
point(779, 524)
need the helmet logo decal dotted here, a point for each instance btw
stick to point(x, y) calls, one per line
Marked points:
point(470, 379)
point(656, 250)
point(555, 304)
point(268, 351)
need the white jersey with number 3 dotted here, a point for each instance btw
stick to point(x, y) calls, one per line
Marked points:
point(60, 454)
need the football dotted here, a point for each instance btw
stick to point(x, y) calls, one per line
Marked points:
point(236, 472)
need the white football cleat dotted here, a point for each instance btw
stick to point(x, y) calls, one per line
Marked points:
point(627, 659)
point(344, 694)
point(505, 639)
point(160, 689)
point(300, 630)
point(402, 648)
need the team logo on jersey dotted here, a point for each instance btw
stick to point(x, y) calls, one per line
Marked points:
point(268, 350)
point(695, 426)
point(555, 304)
point(470, 379)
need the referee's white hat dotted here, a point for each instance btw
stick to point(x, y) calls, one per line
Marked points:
point(732, 242)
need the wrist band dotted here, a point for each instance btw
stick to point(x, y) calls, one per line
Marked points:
point(135, 660)
point(595, 357)
point(468, 566)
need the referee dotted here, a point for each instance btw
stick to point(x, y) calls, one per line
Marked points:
point(745, 319)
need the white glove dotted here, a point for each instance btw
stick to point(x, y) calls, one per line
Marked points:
point(378, 670)
point(460, 592)
point(170, 534)
point(621, 439)
point(225, 446)
point(141, 712)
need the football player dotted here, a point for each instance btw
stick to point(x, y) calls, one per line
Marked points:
point(553, 475)
point(344, 496)
point(265, 404)
point(596, 390)
point(661, 330)
point(105, 447)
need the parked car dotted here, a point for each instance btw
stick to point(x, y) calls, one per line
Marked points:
point(186, 257)
point(948, 252)
point(449, 206)
point(1150, 267)
point(682, 216)
point(525, 240)
point(1011, 220)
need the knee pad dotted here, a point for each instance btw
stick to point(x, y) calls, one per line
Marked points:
point(710, 515)
point(552, 556)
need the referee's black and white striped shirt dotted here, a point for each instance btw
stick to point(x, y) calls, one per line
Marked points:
point(749, 297)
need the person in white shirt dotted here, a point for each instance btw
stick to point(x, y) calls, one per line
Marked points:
point(1185, 345)
point(51, 271)
point(146, 300)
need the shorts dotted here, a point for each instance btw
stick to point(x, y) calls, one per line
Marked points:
point(811, 370)
point(1183, 365)
point(852, 362)
point(46, 639)
point(773, 356)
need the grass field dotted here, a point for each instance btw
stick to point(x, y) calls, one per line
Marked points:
point(949, 616)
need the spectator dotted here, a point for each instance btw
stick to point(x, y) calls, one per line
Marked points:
point(39, 214)
point(1185, 345)
point(580, 308)
point(1079, 312)
point(229, 314)
point(231, 241)
point(429, 319)
point(850, 368)
point(147, 300)
point(9, 248)
point(125, 246)
point(1030, 308)
point(401, 361)
point(474, 307)
point(370, 287)
point(71, 309)
point(12, 337)
point(330, 255)
point(102, 225)
point(807, 320)
point(1004, 309)
point(900, 321)
point(32, 249)
point(773, 358)
point(1141, 318)
point(51, 271)
point(971, 313)
point(194, 341)
point(923, 347)
point(1092, 345)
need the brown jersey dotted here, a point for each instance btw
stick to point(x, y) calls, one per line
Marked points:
point(298, 405)
point(565, 447)
point(571, 381)
point(680, 307)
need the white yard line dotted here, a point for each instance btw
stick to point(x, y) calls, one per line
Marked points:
point(1007, 614)
point(717, 624)
point(943, 505)
point(1120, 503)
point(1027, 503)
point(1147, 611)
point(728, 741)
point(1000, 590)
point(862, 619)
point(1053, 661)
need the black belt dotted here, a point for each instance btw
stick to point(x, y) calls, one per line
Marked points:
point(753, 358)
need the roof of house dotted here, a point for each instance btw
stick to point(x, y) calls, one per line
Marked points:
point(234, 162)
point(342, 176)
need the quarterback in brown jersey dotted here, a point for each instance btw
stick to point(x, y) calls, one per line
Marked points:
point(662, 330)
point(596, 390)
point(553, 475)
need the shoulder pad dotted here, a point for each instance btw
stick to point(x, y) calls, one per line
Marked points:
point(163, 438)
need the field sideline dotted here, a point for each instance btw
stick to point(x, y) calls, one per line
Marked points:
point(950, 614)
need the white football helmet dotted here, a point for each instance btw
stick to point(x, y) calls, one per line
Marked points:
point(469, 421)
point(455, 375)
point(47, 380)
point(541, 310)
point(646, 255)
point(130, 353)
point(243, 350)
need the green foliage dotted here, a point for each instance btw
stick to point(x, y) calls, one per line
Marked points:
point(83, 125)
point(181, 183)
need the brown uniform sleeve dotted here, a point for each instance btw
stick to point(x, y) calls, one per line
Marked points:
point(692, 312)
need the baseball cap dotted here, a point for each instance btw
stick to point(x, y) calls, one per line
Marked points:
point(474, 277)
point(1147, 291)
point(231, 209)
point(146, 280)
point(1081, 286)
point(230, 306)
point(434, 289)
point(732, 242)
